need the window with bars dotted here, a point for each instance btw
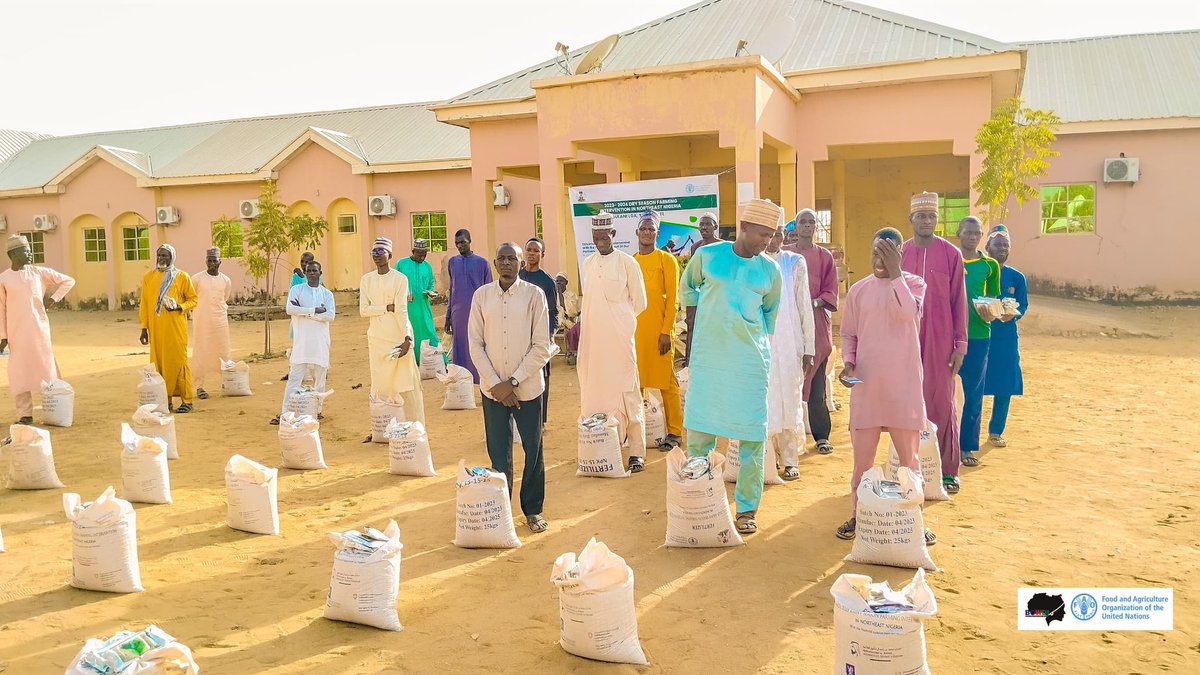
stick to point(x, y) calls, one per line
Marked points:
point(135, 243)
point(95, 248)
point(952, 208)
point(228, 236)
point(537, 221)
point(824, 209)
point(347, 223)
point(1069, 208)
point(431, 226)
point(37, 244)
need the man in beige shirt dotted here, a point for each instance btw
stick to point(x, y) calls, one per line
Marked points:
point(509, 336)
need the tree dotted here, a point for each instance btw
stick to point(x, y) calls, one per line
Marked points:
point(271, 236)
point(1015, 144)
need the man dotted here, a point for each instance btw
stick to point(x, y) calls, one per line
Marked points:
point(467, 273)
point(509, 337)
point(420, 291)
point(792, 355)
point(569, 308)
point(167, 297)
point(383, 295)
point(533, 273)
point(312, 309)
point(882, 355)
point(982, 277)
point(298, 280)
point(733, 294)
point(655, 335)
point(23, 320)
point(823, 288)
point(613, 296)
point(1003, 379)
point(943, 325)
point(210, 321)
point(707, 224)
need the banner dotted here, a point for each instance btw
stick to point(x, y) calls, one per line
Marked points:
point(679, 202)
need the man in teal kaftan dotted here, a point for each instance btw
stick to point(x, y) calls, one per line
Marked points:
point(420, 290)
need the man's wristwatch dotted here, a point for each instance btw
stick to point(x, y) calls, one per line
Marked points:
point(512, 381)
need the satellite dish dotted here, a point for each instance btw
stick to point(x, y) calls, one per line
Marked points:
point(594, 59)
point(774, 40)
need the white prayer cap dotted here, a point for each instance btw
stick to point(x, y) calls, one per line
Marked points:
point(15, 242)
point(761, 212)
point(420, 245)
point(382, 243)
point(602, 221)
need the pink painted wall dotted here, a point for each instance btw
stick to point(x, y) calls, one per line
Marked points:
point(1145, 231)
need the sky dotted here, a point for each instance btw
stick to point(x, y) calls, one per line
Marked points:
point(72, 66)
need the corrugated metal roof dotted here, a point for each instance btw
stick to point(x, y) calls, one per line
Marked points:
point(1123, 77)
point(828, 34)
point(384, 135)
point(11, 141)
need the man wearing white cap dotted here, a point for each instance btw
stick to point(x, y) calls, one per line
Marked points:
point(734, 294)
point(613, 296)
point(420, 289)
point(24, 327)
point(167, 297)
point(210, 321)
point(707, 224)
point(383, 298)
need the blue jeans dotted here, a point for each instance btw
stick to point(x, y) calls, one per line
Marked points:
point(973, 372)
point(999, 415)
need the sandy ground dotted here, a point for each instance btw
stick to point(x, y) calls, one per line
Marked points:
point(1098, 488)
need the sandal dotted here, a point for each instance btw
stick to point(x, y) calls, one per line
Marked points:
point(275, 421)
point(824, 447)
point(997, 441)
point(746, 524)
point(846, 531)
point(184, 409)
point(637, 465)
point(202, 395)
point(670, 443)
point(369, 439)
point(536, 523)
point(25, 420)
point(969, 459)
point(951, 484)
point(930, 537)
point(791, 473)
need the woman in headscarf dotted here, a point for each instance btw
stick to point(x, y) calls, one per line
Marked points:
point(167, 297)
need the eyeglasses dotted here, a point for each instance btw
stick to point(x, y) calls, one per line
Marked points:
point(379, 251)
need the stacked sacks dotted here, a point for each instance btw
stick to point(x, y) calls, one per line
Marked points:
point(148, 420)
point(252, 495)
point(235, 378)
point(144, 476)
point(300, 442)
point(889, 525)
point(697, 508)
point(30, 459)
point(878, 630)
point(600, 448)
point(433, 362)
point(460, 388)
point(58, 404)
point(597, 616)
point(149, 652)
point(103, 544)
point(408, 450)
point(656, 419)
point(366, 577)
point(307, 401)
point(153, 389)
point(733, 463)
point(383, 412)
point(930, 456)
point(483, 510)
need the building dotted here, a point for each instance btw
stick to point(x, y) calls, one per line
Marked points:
point(844, 107)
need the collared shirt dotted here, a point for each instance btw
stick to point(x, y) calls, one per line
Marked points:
point(310, 343)
point(509, 337)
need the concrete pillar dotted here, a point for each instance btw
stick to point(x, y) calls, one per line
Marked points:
point(110, 243)
point(557, 226)
point(805, 181)
point(747, 172)
point(837, 225)
point(787, 184)
point(629, 169)
point(976, 169)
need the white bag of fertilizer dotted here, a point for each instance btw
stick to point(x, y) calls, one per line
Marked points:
point(383, 411)
point(307, 401)
point(148, 420)
point(144, 476)
point(153, 389)
point(931, 464)
point(58, 404)
point(150, 652)
point(880, 630)
point(433, 362)
point(460, 389)
point(408, 450)
point(300, 442)
point(483, 510)
point(596, 614)
point(1, 542)
point(366, 577)
point(600, 448)
point(30, 459)
point(252, 494)
point(235, 378)
point(697, 507)
point(889, 525)
point(103, 544)
point(656, 419)
point(733, 464)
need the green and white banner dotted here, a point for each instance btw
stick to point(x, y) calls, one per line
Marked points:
point(679, 202)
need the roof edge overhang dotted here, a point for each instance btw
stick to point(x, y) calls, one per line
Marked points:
point(713, 65)
point(1110, 126)
point(463, 113)
point(58, 184)
point(903, 72)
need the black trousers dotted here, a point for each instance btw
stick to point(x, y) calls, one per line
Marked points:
point(818, 412)
point(546, 393)
point(498, 430)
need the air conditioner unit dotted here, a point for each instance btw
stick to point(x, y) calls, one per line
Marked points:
point(3, 224)
point(381, 205)
point(167, 215)
point(1121, 170)
point(500, 194)
point(248, 208)
point(44, 223)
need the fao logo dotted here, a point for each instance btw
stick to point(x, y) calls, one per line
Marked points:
point(689, 188)
point(1084, 607)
